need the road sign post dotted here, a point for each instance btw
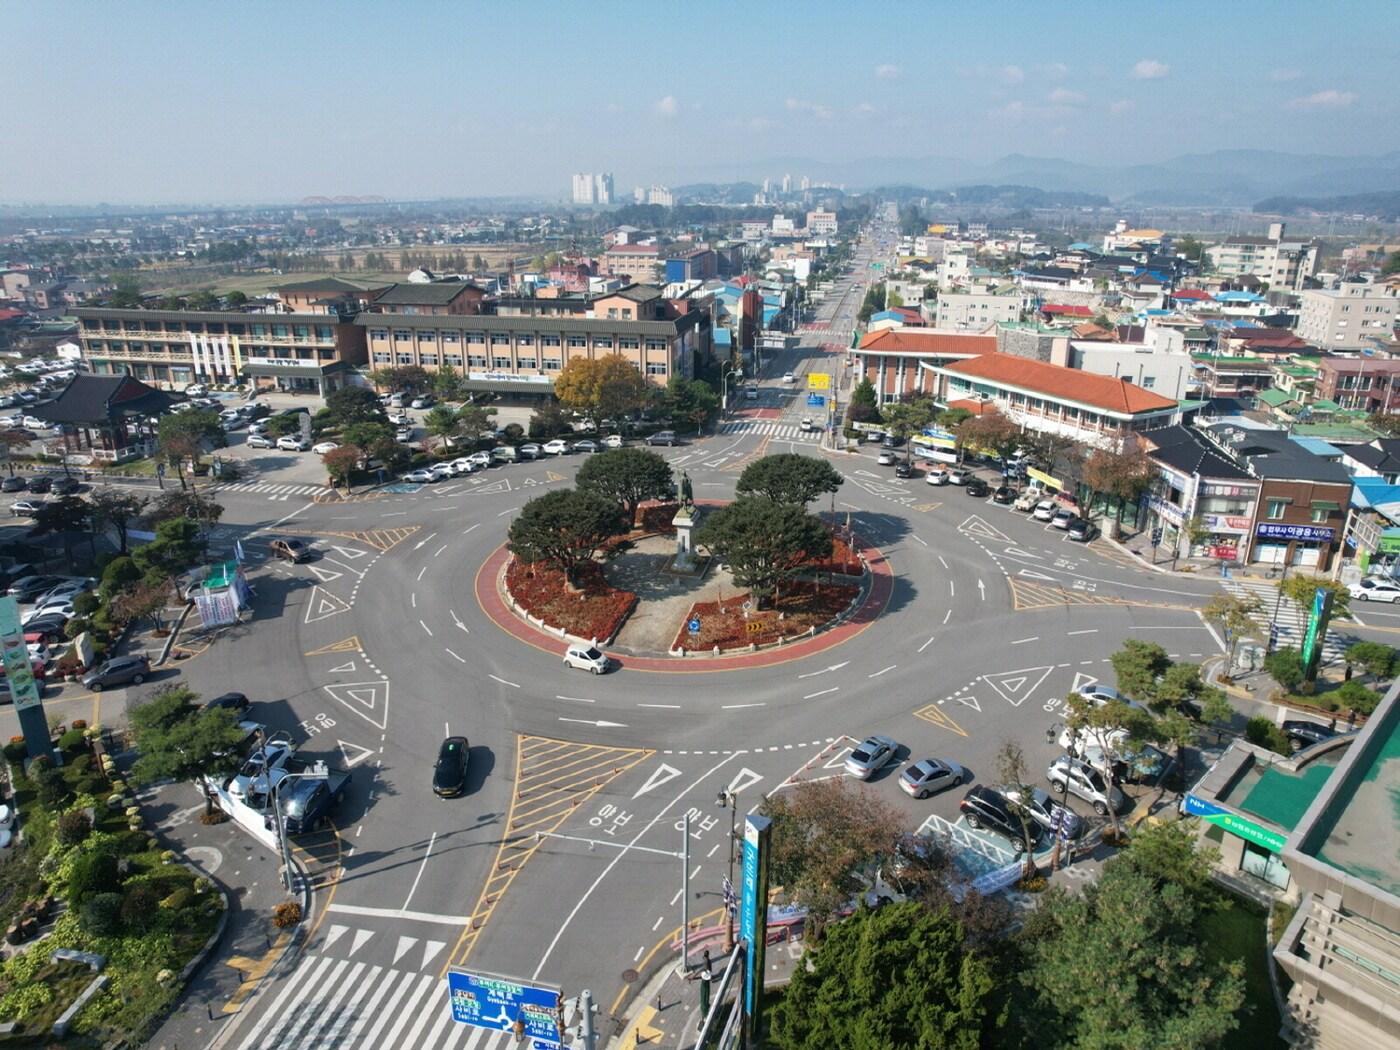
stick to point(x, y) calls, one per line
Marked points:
point(694, 625)
point(505, 1004)
point(753, 917)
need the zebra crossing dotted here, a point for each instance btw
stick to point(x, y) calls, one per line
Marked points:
point(770, 428)
point(272, 491)
point(329, 1002)
point(1291, 622)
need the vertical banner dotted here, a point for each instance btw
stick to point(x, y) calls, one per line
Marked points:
point(19, 677)
point(1318, 616)
point(753, 916)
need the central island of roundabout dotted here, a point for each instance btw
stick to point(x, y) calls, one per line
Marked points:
point(657, 598)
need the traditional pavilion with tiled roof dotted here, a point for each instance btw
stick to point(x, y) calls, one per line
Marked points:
point(111, 409)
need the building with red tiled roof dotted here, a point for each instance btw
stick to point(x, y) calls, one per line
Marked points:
point(1090, 408)
point(1051, 310)
point(891, 358)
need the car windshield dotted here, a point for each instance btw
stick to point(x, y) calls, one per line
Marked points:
point(593, 654)
point(860, 754)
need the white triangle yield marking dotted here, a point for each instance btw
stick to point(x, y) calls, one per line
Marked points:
point(1082, 681)
point(430, 950)
point(323, 605)
point(745, 778)
point(334, 934)
point(1017, 552)
point(1035, 575)
point(355, 754)
point(977, 526)
point(664, 774)
point(838, 762)
point(405, 943)
point(325, 575)
point(970, 701)
point(360, 937)
point(343, 668)
point(349, 552)
point(364, 698)
point(1015, 686)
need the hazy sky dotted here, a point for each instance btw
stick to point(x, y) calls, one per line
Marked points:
point(200, 101)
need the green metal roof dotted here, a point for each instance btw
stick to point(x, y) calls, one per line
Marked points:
point(1276, 398)
point(1334, 431)
point(1325, 405)
point(1282, 798)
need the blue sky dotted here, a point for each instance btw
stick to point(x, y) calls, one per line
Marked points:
point(165, 102)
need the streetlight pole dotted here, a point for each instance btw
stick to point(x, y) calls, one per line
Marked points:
point(1273, 620)
point(1050, 736)
point(729, 802)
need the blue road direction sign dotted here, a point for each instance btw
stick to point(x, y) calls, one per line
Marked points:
point(693, 626)
point(485, 1000)
point(816, 400)
point(753, 913)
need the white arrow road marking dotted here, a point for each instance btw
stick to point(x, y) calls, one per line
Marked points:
point(360, 937)
point(824, 670)
point(424, 540)
point(458, 622)
point(664, 774)
point(600, 725)
point(405, 943)
point(334, 934)
point(354, 755)
point(982, 590)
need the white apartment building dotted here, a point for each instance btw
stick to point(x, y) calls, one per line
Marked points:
point(977, 309)
point(783, 226)
point(1282, 263)
point(955, 269)
point(820, 221)
point(592, 188)
point(1348, 316)
point(583, 188)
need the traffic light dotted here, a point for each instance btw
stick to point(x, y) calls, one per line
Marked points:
point(519, 1029)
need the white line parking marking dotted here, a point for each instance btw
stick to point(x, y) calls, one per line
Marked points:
point(503, 681)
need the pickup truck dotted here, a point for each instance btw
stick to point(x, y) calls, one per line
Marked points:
point(308, 800)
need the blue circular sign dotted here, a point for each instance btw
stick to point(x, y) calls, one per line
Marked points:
point(694, 626)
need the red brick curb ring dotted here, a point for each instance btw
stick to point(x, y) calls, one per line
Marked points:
point(488, 596)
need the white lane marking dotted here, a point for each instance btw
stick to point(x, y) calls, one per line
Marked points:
point(413, 599)
point(426, 628)
point(424, 540)
point(735, 707)
point(1023, 641)
point(672, 707)
point(505, 512)
point(421, 572)
point(395, 514)
point(921, 540)
point(824, 670)
point(439, 550)
point(947, 616)
point(469, 529)
point(503, 681)
point(878, 673)
point(577, 699)
point(982, 590)
point(813, 696)
point(454, 656)
point(951, 589)
point(942, 562)
point(458, 622)
point(929, 642)
point(1089, 630)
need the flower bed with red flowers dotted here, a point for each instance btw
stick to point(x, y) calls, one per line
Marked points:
point(596, 610)
point(843, 556)
point(656, 518)
point(803, 606)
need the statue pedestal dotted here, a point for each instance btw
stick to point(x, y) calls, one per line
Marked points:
point(685, 562)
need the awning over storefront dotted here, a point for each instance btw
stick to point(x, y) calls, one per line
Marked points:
point(508, 386)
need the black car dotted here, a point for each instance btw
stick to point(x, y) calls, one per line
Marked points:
point(891, 441)
point(450, 773)
point(903, 469)
point(1303, 734)
point(1081, 530)
point(986, 808)
point(66, 486)
point(42, 483)
point(235, 702)
point(976, 487)
point(48, 627)
point(1004, 494)
point(14, 484)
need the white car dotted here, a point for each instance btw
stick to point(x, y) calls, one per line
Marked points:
point(323, 447)
point(292, 443)
point(885, 458)
point(421, 402)
point(806, 425)
point(54, 607)
point(555, 447)
point(260, 440)
point(462, 466)
point(586, 658)
point(612, 441)
point(788, 377)
point(1045, 510)
point(260, 771)
point(441, 471)
point(403, 434)
point(481, 459)
point(196, 390)
point(937, 476)
point(1374, 590)
point(421, 476)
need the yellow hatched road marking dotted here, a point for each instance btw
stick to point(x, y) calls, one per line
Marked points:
point(345, 645)
point(935, 715)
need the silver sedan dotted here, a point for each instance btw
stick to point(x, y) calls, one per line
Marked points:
point(871, 755)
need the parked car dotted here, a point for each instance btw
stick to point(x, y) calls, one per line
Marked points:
point(936, 476)
point(663, 437)
point(929, 776)
point(422, 401)
point(1087, 783)
point(120, 670)
point(66, 486)
point(1027, 500)
point(46, 629)
point(293, 443)
point(1003, 494)
point(975, 486)
point(892, 441)
point(1081, 530)
point(26, 508)
point(14, 484)
point(904, 469)
point(235, 702)
point(587, 445)
point(530, 450)
point(40, 483)
point(1062, 518)
point(557, 447)
point(323, 447)
point(985, 807)
point(885, 458)
point(1045, 510)
point(27, 588)
point(1044, 809)
point(259, 771)
point(259, 441)
point(291, 550)
point(442, 471)
point(480, 459)
point(450, 770)
point(404, 434)
point(613, 441)
point(504, 454)
point(587, 658)
point(806, 426)
point(1370, 589)
point(1302, 733)
point(67, 587)
point(871, 755)
point(421, 476)
point(308, 801)
point(463, 466)
point(959, 475)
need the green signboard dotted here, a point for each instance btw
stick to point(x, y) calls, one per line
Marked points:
point(1317, 630)
point(1235, 824)
point(19, 670)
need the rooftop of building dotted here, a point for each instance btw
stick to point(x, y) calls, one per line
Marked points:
point(1280, 795)
point(1271, 454)
point(433, 293)
point(637, 293)
point(1062, 384)
point(929, 341)
point(1183, 449)
point(323, 285)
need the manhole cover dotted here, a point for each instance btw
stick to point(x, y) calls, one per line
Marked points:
point(628, 976)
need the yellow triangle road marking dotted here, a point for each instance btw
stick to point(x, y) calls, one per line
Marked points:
point(936, 715)
point(927, 506)
point(550, 475)
point(347, 645)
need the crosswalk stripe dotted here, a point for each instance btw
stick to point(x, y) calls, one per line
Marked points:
point(275, 1012)
point(433, 1009)
point(380, 988)
point(437, 1035)
point(286, 1022)
point(426, 983)
point(460, 1032)
point(329, 1014)
point(315, 1008)
point(390, 1008)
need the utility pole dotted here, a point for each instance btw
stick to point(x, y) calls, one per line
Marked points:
point(585, 1024)
point(685, 894)
point(731, 803)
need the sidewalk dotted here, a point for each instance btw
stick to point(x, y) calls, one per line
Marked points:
point(247, 872)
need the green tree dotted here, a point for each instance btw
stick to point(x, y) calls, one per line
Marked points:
point(789, 478)
point(627, 477)
point(63, 517)
point(342, 462)
point(476, 419)
point(119, 574)
point(826, 836)
point(1235, 618)
point(1262, 732)
point(141, 601)
point(1169, 853)
point(126, 295)
point(402, 379)
point(115, 509)
point(178, 739)
point(1391, 264)
point(448, 384)
point(1386, 423)
point(1011, 773)
point(204, 299)
point(187, 503)
point(354, 404)
point(177, 547)
point(564, 529)
point(1118, 476)
point(1113, 727)
point(184, 436)
point(1189, 247)
point(366, 434)
point(1138, 666)
point(1285, 666)
point(864, 406)
point(1301, 589)
point(896, 978)
point(1375, 658)
point(692, 400)
point(283, 424)
point(236, 300)
point(1118, 966)
point(547, 422)
point(601, 388)
point(906, 418)
point(765, 543)
point(992, 432)
point(1356, 697)
point(442, 421)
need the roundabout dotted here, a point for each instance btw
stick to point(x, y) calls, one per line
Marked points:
point(556, 864)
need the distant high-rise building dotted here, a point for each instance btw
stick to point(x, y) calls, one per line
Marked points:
point(639, 194)
point(660, 195)
point(767, 186)
point(787, 183)
point(603, 188)
point(806, 184)
point(583, 188)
